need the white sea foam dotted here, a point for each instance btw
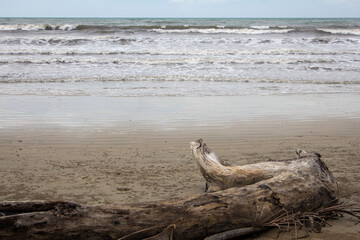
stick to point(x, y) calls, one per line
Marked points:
point(340, 31)
point(151, 87)
point(186, 53)
point(260, 27)
point(66, 27)
point(63, 40)
point(184, 62)
point(223, 30)
point(36, 27)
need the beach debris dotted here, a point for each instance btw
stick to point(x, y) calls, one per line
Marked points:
point(287, 221)
point(167, 234)
point(123, 189)
point(239, 200)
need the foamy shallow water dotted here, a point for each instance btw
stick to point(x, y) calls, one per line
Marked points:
point(178, 57)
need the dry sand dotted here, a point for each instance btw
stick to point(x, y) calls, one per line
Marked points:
point(97, 166)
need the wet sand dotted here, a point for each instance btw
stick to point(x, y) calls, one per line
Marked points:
point(130, 159)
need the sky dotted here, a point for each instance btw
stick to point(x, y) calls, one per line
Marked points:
point(180, 8)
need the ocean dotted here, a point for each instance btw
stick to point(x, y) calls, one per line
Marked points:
point(120, 57)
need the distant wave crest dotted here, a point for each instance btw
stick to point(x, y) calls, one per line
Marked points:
point(154, 28)
point(36, 27)
point(223, 30)
point(207, 29)
point(260, 27)
point(340, 31)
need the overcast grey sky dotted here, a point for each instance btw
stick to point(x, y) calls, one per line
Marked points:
point(180, 8)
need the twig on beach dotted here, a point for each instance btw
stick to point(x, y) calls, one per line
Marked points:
point(311, 221)
point(285, 221)
point(235, 233)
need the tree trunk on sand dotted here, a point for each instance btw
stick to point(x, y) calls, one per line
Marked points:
point(247, 195)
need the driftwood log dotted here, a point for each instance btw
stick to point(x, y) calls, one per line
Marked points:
point(237, 197)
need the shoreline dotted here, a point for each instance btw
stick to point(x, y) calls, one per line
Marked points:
point(172, 112)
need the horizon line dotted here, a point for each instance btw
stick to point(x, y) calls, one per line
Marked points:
point(197, 17)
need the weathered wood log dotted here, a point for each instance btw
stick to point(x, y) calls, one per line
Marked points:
point(219, 176)
point(248, 195)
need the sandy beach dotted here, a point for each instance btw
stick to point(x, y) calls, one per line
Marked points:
point(68, 154)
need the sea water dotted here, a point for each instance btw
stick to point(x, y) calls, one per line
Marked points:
point(178, 57)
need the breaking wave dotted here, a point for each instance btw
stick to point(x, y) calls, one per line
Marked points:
point(260, 27)
point(64, 40)
point(223, 30)
point(37, 27)
point(206, 29)
point(340, 31)
point(155, 28)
